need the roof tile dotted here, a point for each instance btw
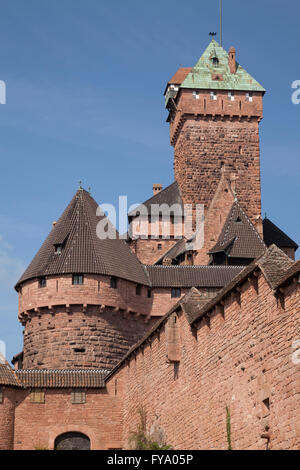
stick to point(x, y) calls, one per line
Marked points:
point(201, 76)
point(47, 378)
point(191, 276)
point(83, 251)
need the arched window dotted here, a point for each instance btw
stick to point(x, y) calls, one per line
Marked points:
point(72, 441)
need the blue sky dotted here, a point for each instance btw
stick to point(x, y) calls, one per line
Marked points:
point(85, 80)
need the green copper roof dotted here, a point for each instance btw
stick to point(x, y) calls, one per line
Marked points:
point(202, 74)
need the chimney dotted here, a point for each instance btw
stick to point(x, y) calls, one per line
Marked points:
point(157, 188)
point(53, 224)
point(232, 60)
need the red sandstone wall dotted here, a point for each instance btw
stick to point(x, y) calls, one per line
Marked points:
point(147, 250)
point(51, 339)
point(37, 425)
point(104, 323)
point(201, 149)
point(206, 134)
point(95, 291)
point(239, 361)
point(162, 301)
point(240, 108)
point(7, 410)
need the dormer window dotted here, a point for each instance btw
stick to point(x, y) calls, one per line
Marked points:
point(215, 61)
point(42, 282)
point(58, 249)
point(249, 96)
point(213, 95)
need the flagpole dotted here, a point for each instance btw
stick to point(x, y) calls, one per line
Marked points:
point(221, 22)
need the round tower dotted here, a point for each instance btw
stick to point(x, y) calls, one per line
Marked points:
point(83, 300)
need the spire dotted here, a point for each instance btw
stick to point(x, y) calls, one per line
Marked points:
point(80, 249)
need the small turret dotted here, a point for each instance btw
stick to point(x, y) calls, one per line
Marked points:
point(77, 298)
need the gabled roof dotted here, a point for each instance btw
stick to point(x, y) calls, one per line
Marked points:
point(50, 378)
point(174, 251)
point(170, 195)
point(82, 250)
point(239, 238)
point(179, 76)
point(294, 270)
point(191, 276)
point(274, 264)
point(273, 234)
point(201, 75)
point(8, 376)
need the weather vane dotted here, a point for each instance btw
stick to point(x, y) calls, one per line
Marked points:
point(212, 34)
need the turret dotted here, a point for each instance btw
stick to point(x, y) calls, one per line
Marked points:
point(78, 298)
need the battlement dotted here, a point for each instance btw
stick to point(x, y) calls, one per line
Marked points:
point(221, 105)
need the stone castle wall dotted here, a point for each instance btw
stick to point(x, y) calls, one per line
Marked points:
point(241, 360)
point(205, 140)
point(7, 416)
point(37, 425)
point(89, 325)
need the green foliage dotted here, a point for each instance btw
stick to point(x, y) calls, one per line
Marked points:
point(228, 427)
point(140, 439)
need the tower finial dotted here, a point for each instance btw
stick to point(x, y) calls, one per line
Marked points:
point(80, 185)
point(212, 34)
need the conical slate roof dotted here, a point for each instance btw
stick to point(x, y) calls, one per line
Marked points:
point(81, 249)
point(201, 76)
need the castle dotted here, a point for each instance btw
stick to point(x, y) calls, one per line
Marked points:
point(203, 338)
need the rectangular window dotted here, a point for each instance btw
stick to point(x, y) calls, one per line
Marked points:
point(37, 396)
point(231, 96)
point(77, 279)
point(175, 292)
point(1, 394)
point(78, 397)
point(249, 96)
point(42, 282)
point(149, 293)
point(213, 95)
point(113, 283)
point(196, 95)
point(138, 289)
